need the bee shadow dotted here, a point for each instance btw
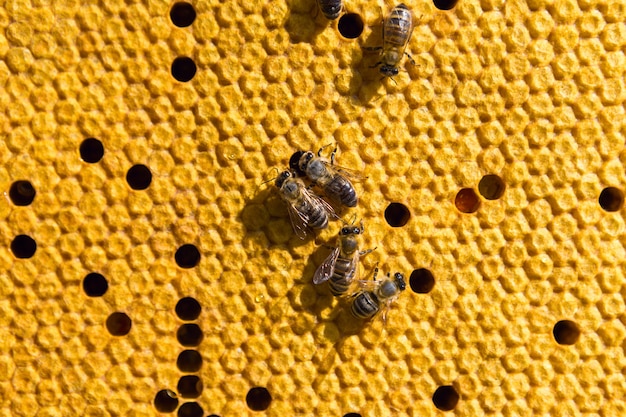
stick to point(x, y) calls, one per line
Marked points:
point(334, 313)
point(305, 26)
point(367, 79)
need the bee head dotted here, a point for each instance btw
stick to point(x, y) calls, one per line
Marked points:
point(350, 230)
point(294, 163)
point(388, 70)
point(332, 11)
point(399, 279)
point(305, 159)
point(282, 178)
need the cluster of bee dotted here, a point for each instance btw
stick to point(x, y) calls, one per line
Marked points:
point(397, 31)
point(308, 210)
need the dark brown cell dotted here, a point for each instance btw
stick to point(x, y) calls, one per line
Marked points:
point(350, 25)
point(566, 332)
point(421, 281)
point(611, 199)
point(118, 324)
point(258, 399)
point(445, 398)
point(22, 193)
point(397, 214)
point(467, 201)
point(491, 187)
point(182, 14)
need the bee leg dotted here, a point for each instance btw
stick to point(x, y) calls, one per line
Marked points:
point(372, 48)
point(319, 153)
point(332, 156)
point(376, 64)
point(317, 11)
point(365, 252)
point(410, 58)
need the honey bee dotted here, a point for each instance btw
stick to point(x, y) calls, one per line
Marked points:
point(376, 296)
point(332, 180)
point(397, 31)
point(306, 210)
point(331, 9)
point(341, 267)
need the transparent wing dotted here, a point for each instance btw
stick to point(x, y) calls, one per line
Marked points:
point(349, 173)
point(368, 285)
point(327, 268)
point(299, 221)
point(386, 307)
point(355, 276)
point(315, 199)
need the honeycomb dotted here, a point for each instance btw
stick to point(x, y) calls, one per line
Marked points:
point(149, 266)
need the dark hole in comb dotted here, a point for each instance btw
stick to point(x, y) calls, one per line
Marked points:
point(445, 4)
point(91, 150)
point(165, 401)
point(191, 409)
point(183, 69)
point(350, 25)
point(95, 285)
point(139, 177)
point(611, 199)
point(445, 398)
point(566, 332)
point(189, 361)
point(397, 215)
point(421, 281)
point(23, 246)
point(467, 201)
point(352, 415)
point(491, 187)
point(189, 334)
point(187, 256)
point(189, 386)
point(258, 399)
point(118, 324)
point(188, 308)
point(182, 14)
point(22, 193)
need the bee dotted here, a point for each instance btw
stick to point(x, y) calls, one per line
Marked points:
point(305, 208)
point(341, 267)
point(376, 296)
point(331, 9)
point(397, 31)
point(332, 180)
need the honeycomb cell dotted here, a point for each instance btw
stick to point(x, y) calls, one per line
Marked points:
point(520, 95)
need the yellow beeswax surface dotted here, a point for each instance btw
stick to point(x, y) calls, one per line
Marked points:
point(530, 92)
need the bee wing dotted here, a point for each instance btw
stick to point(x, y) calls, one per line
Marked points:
point(299, 221)
point(386, 307)
point(327, 268)
point(317, 200)
point(346, 172)
point(368, 285)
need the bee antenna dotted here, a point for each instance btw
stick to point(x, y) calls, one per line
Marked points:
point(271, 179)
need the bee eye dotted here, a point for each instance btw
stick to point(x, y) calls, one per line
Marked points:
point(345, 231)
point(356, 230)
